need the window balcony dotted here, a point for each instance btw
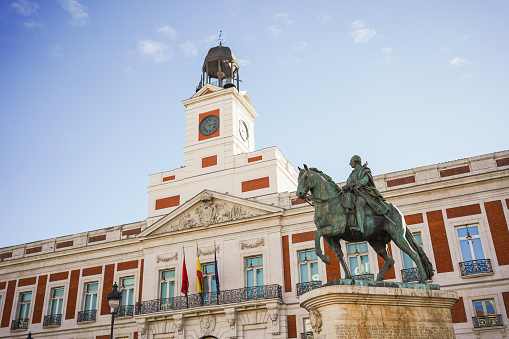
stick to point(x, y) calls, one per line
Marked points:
point(125, 311)
point(368, 276)
point(213, 298)
point(488, 321)
point(19, 324)
point(307, 286)
point(52, 320)
point(410, 274)
point(476, 267)
point(306, 335)
point(86, 316)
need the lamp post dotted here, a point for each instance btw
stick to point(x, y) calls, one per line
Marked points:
point(29, 335)
point(114, 298)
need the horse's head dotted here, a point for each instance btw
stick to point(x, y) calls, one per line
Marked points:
point(306, 182)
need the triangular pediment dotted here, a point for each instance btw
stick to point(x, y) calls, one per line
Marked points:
point(207, 89)
point(206, 209)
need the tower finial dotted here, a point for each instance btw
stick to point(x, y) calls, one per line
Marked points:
point(221, 40)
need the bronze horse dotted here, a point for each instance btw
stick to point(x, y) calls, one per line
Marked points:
point(331, 223)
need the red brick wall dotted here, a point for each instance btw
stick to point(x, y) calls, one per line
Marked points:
point(109, 271)
point(502, 162)
point(97, 238)
point(463, 211)
point(216, 133)
point(298, 201)
point(27, 281)
point(439, 241)
point(255, 184)
point(458, 312)
point(72, 295)
point(39, 299)
point(286, 264)
point(209, 161)
point(292, 326)
point(454, 171)
point(304, 236)
point(414, 219)
point(2, 285)
point(58, 276)
point(127, 265)
point(92, 271)
point(135, 335)
point(167, 202)
point(253, 159)
point(401, 181)
point(132, 232)
point(171, 177)
point(333, 271)
point(9, 299)
point(65, 244)
point(391, 274)
point(6, 255)
point(34, 250)
point(104, 336)
point(505, 296)
point(499, 231)
point(142, 267)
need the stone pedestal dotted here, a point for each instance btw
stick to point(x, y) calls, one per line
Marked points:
point(375, 310)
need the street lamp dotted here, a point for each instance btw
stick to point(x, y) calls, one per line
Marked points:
point(114, 298)
point(29, 335)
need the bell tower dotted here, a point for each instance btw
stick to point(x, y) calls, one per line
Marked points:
point(219, 149)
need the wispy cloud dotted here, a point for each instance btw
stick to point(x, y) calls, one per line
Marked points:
point(460, 62)
point(465, 37)
point(77, 11)
point(384, 58)
point(168, 31)
point(274, 31)
point(155, 51)
point(290, 60)
point(189, 49)
point(360, 33)
point(300, 46)
point(444, 51)
point(31, 24)
point(243, 62)
point(56, 52)
point(467, 76)
point(25, 7)
point(283, 18)
point(325, 18)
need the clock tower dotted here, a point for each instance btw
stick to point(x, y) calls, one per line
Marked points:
point(219, 149)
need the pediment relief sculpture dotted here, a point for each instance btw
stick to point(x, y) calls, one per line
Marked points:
point(207, 212)
point(252, 244)
point(208, 250)
point(164, 258)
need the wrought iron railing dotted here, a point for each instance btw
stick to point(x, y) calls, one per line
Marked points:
point(84, 316)
point(52, 320)
point(306, 335)
point(367, 276)
point(487, 321)
point(125, 311)
point(212, 298)
point(307, 286)
point(479, 266)
point(19, 324)
point(410, 274)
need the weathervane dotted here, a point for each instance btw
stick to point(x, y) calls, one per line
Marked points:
point(221, 40)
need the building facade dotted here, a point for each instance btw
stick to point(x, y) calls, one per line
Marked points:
point(236, 206)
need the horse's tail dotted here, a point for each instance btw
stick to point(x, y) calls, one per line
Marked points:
point(428, 267)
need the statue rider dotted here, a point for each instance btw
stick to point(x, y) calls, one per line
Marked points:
point(360, 190)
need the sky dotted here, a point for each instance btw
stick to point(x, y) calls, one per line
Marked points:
point(91, 91)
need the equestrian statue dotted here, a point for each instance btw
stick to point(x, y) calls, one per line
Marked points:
point(357, 212)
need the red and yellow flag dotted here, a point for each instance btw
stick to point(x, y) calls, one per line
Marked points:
point(199, 275)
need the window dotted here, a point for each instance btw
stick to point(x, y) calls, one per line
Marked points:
point(168, 284)
point(485, 315)
point(89, 303)
point(127, 301)
point(308, 265)
point(254, 277)
point(308, 329)
point(209, 288)
point(470, 243)
point(57, 300)
point(25, 300)
point(358, 258)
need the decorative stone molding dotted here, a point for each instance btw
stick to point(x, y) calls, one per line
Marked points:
point(273, 311)
point(142, 325)
point(165, 259)
point(208, 250)
point(207, 324)
point(252, 244)
point(316, 320)
point(231, 317)
point(178, 320)
point(208, 212)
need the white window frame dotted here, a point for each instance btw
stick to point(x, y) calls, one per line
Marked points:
point(310, 261)
point(246, 268)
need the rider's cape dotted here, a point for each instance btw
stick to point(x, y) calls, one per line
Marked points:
point(369, 192)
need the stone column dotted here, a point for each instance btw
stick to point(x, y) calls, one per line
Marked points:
point(344, 311)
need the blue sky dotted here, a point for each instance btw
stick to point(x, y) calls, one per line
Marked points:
point(91, 91)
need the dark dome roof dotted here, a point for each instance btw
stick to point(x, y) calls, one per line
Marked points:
point(223, 53)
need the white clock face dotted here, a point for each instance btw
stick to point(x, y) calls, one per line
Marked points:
point(244, 134)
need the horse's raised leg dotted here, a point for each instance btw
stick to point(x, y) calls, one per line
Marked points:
point(329, 231)
point(381, 249)
point(336, 248)
point(403, 244)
